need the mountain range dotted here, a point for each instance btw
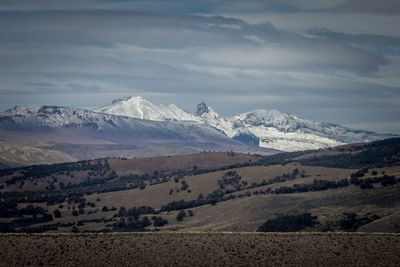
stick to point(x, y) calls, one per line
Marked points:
point(263, 128)
point(136, 121)
point(72, 125)
point(85, 134)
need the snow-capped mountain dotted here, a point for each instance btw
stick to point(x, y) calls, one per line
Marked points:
point(208, 116)
point(140, 108)
point(287, 132)
point(264, 128)
point(77, 123)
point(47, 117)
point(137, 121)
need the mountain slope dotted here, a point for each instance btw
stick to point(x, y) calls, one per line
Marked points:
point(290, 133)
point(263, 128)
point(95, 151)
point(140, 108)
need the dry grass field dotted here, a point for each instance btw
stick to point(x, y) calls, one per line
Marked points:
point(200, 249)
point(137, 166)
point(208, 192)
point(16, 155)
point(178, 162)
point(249, 212)
point(207, 183)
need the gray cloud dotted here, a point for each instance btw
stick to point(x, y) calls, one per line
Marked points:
point(89, 57)
point(240, 43)
point(373, 43)
point(389, 7)
point(373, 39)
point(176, 6)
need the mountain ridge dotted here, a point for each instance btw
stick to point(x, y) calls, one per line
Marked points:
point(138, 107)
point(78, 123)
point(259, 127)
point(136, 121)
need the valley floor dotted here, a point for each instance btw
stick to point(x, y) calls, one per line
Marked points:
point(200, 249)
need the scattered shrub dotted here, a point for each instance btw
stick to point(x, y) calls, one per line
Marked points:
point(57, 213)
point(181, 215)
point(159, 221)
point(289, 223)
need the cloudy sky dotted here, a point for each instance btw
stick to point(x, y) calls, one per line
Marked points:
point(329, 60)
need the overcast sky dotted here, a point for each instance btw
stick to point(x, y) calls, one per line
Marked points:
point(328, 60)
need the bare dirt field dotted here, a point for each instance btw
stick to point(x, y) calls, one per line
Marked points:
point(200, 249)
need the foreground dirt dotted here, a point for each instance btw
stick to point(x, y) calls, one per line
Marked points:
point(200, 249)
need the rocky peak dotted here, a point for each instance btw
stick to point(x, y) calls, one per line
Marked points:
point(201, 109)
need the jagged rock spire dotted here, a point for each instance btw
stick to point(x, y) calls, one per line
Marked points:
point(201, 108)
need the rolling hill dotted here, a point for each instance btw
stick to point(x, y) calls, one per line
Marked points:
point(347, 188)
point(18, 155)
point(15, 155)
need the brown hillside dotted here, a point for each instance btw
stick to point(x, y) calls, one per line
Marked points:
point(216, 192)
point(157, 195)
point(15, 155)
point(139, 166)
point(202, 160)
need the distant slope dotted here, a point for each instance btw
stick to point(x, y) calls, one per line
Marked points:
point(95, 151)
point(14, 155)
point(29, 137)
point(375, 154)
point(25, 142)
